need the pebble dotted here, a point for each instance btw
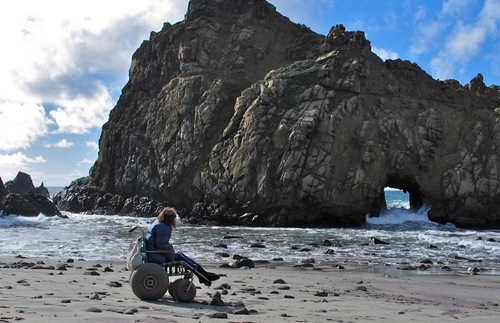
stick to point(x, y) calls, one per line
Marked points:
point(42, 267)
point(244, 263)
point(224, 286)
point(92, 273)
point(321, 294)
point(243, 311)
point(217, 300)
point(23, 282)
point(231, 237)
point(114, 284)
point(327, 243)
point(94, 310)
point(94, 296)
point(130, 311)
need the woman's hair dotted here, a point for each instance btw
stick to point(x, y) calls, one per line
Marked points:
point(167, 215)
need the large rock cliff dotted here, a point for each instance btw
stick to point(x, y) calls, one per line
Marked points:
point(238, 116)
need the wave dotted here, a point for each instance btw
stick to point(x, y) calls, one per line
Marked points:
point(401, 216)
point(11, 221)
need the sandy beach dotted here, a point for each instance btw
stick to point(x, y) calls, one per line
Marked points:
point(38, 290)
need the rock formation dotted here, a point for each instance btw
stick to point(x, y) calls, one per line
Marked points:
point(3, 193)
point(29, 204)
point(238, 116)
point(22, 183)
point(20, 197)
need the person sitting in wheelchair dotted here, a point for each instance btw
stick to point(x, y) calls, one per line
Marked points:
point(160, 250)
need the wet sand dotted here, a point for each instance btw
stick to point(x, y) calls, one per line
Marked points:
point(43, 290)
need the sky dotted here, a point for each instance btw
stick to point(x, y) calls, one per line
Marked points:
point(64, 63)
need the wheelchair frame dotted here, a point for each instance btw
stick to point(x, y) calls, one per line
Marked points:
point(150, 281)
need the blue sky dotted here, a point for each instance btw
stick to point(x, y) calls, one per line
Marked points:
point(64, 63)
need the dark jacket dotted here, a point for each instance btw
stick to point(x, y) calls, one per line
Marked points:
point(158, 237)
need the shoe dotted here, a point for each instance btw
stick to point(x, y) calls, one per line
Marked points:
point(212, 276)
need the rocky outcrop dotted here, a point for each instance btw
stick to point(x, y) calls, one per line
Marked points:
point(238, 116)
point(3, 192)
point(23, 183)
point(81, 197)
point(29, 204)
point(20, 197)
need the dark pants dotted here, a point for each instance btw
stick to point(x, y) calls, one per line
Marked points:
point(198, 270)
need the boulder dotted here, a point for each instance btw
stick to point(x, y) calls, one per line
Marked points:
point(3, 193)
point(22, 183)
point(238, 111)
point(3, 190)
point(20, 197)
point(29, 204)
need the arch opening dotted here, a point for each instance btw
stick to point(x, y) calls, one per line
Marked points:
point(408, 186)
point(396, 198)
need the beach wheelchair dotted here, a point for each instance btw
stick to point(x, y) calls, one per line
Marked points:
point(150, 281)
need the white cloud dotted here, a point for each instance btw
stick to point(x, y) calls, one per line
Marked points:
point(78, 114)
point(425, 36)
point(385, 54)
point(465, 41)
point(22, 124)
point(92, 144)
point(419, 14)
point(494, 60)
point(454, 7)
point(63, 143)
point(72, 56)
point(61, 178)
point(11, 164)
point(85, 162)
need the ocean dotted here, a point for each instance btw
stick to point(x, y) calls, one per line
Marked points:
point(410, 235)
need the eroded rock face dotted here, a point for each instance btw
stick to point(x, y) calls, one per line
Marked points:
point(22, 183)
point(238, 116)
point(3, 192)
point(21, 197)
point(29, 204)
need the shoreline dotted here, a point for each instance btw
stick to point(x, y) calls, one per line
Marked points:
point(58, 291)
